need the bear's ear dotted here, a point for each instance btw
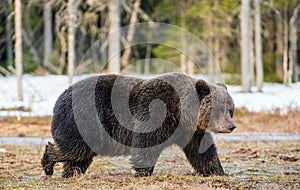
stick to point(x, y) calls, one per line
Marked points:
point(202, 88)
point(223, 85)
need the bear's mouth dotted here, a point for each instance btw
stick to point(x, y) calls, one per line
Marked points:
point(229, 129)
point(222, 130)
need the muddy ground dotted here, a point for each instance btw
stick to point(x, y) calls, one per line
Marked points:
point(258, 165)
point(249, 164)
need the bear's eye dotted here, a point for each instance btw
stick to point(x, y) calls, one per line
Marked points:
point(231, 113)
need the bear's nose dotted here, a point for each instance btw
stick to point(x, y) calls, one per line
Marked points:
point(232, 127)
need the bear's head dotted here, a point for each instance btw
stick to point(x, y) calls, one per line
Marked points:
point(216, 108)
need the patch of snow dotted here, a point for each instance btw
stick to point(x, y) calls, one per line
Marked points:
point(274, 96)
point(41, 93)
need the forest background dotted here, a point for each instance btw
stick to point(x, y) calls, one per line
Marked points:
point(254, 41)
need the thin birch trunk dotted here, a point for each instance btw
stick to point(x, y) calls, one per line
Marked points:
point(258, 47)
point(190, 67)
point(252, 55)
point(293, 50)
point(279, 50)
point(114, 65)
point(18, 47)
point(71, 38)
point(245, 46)
point(183, 63)
point(285, 46)
point(148, 56)
point(8, 31)
point(48, 36)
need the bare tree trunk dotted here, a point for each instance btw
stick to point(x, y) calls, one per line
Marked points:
point(131, 30)
point(285, 46)
point(18, 47)
point(252, 44)
point(293, 51)
point(114, 37)
point(183, 63)
point(279, 50)
point(147, 60)
point(47, 14)
point(71, 38)
point(258, 47)
point(60, 30)
point(190, 67)
point(211, 61)
point(216, 53)
point(296, 66)
point(211, 69)
point(8, 31)
point(245, 46)
point(214, 45)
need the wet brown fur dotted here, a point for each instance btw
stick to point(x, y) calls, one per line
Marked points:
point(70, 147)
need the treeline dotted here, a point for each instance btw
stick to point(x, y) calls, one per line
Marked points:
point(218, 23)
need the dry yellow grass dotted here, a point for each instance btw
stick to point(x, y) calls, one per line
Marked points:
point(245, 121)
point(259, 165)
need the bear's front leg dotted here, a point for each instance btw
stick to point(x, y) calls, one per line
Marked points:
point(202, 154)
point(143, 172)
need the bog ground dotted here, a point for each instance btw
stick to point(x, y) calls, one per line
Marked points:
point(249, 163)
point(258, 165)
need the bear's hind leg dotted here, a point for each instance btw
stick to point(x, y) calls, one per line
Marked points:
point(73, 168)
point(144, 160)
point(47, 160)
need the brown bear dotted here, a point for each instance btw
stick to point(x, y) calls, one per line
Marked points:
point(113, 115)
